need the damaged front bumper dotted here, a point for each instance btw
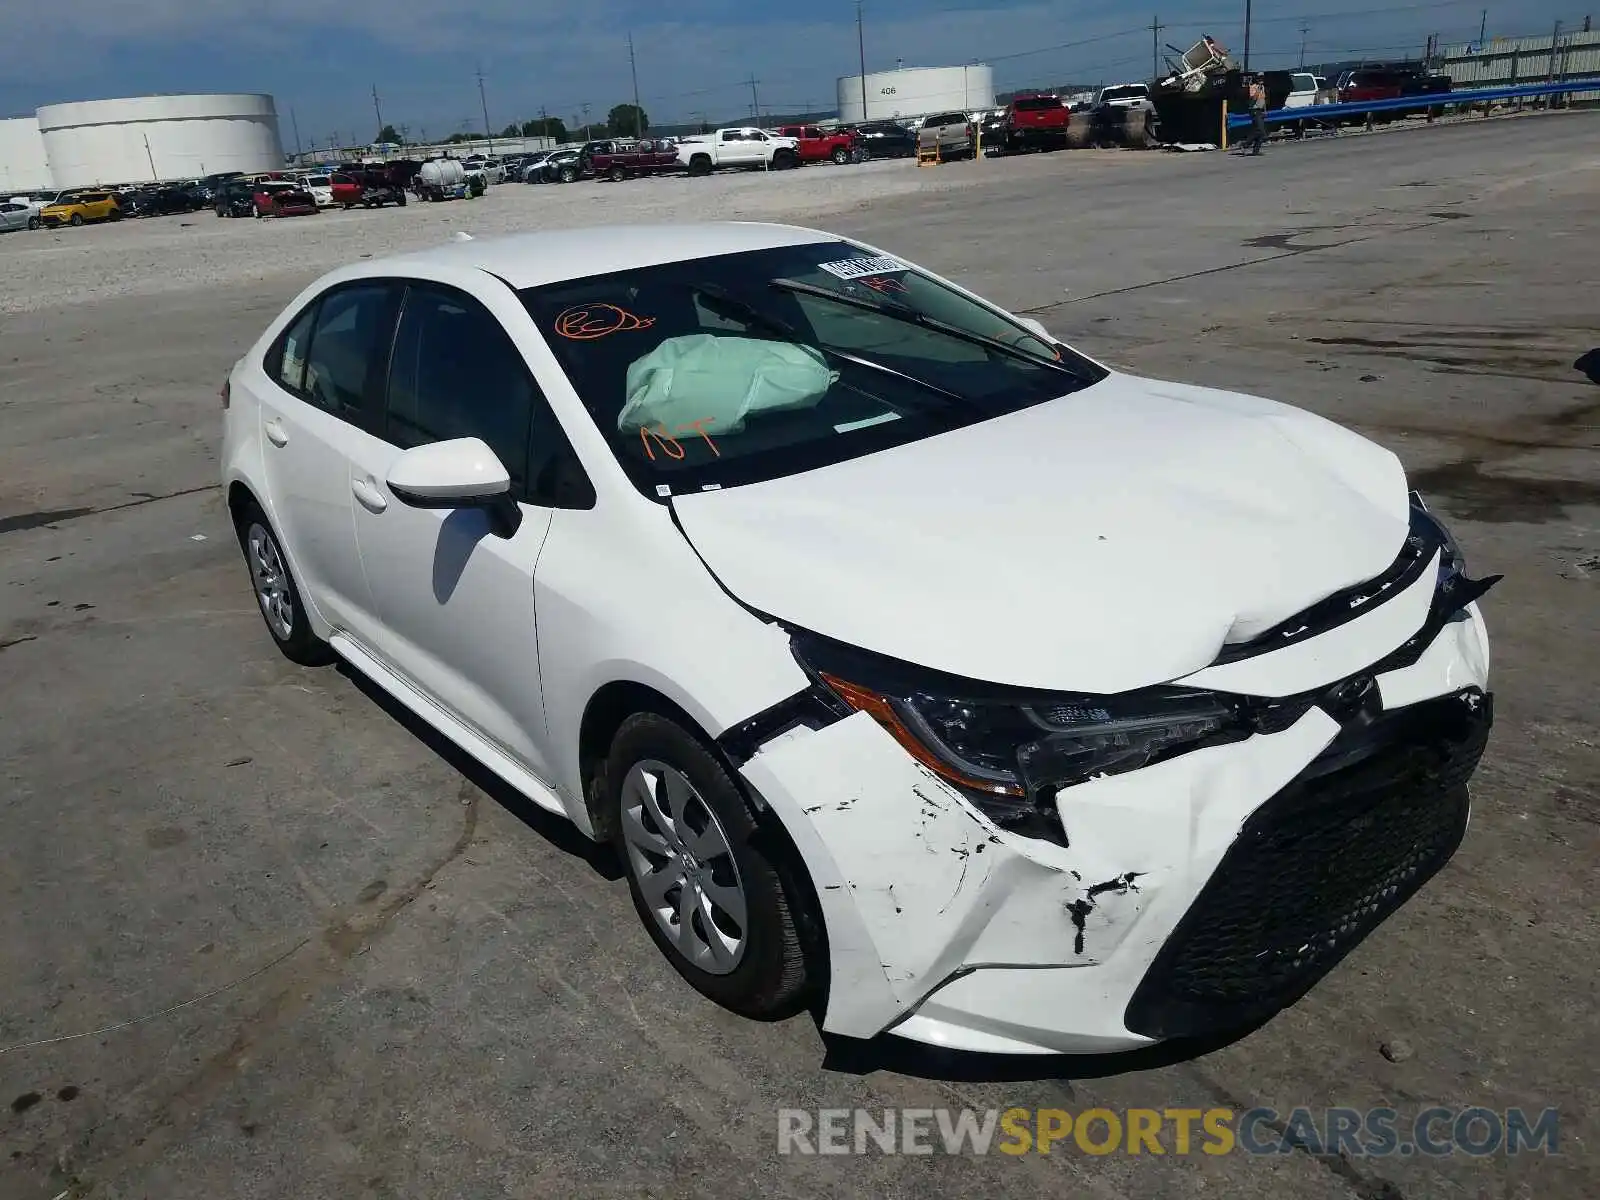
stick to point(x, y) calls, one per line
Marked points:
point(1195, 895)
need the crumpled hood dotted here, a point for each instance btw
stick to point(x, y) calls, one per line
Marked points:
point(1111, 539)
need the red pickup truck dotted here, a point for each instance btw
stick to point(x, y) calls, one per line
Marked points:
point(620, 159)
point(818, 145)
point(1036, 121)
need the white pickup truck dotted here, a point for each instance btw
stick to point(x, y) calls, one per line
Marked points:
point(742, 146)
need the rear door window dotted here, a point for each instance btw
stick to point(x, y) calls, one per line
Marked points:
point(351, 333)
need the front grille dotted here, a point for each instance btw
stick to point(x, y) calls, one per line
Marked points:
point(1317, 868)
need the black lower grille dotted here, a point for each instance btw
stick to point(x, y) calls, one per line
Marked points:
point(1317, 868)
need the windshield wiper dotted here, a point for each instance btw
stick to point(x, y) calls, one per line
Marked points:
point(910, 316)
point(732, 308)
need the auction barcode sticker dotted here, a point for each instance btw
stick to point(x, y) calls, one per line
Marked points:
point(856, 268)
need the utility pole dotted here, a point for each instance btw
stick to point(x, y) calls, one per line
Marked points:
point(483, 99)
point(755, 102)
point(1305, 28)
point(544, 122)
point(586, 122)
point(1247, 35)
point(295, 121)
point(861, 45)
point(1554, 38)
point(378, 110)
point(638, 113)
point(1155, 47)
point(1483, 29)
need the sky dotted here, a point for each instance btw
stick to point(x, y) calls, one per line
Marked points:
point(321, 59)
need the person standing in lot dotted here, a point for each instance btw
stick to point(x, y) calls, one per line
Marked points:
point(1258, 115)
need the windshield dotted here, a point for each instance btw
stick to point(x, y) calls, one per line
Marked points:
point(743, 367)
point(1135, 91)
point(318, 181)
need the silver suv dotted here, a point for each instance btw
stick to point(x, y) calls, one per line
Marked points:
point(951, 132)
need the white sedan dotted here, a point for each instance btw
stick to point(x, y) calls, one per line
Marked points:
point(320, 187)
point(907, 657)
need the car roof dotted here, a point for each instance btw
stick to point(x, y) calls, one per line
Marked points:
point(552, 256)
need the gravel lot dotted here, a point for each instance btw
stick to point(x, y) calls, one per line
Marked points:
point(168, 254)
point(261, 936)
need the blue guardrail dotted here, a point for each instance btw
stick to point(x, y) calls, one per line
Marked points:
point(1327, 112)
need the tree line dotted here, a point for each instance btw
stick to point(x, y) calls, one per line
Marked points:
point(624, 120)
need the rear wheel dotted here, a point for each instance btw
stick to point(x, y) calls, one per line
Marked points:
point(841, 156)
point(703, 882)
point(616, 174)
point(400, 200)
point(276, 593)
point(700, 164)
point(33, 222)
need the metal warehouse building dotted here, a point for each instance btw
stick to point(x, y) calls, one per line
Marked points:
point(916, 92)
point(140, 138)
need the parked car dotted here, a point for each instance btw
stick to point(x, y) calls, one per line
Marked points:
point(564, 165)
point(209, 185)
point(743, 146)
point(839, 146)
point(79, 208)
point(321, 189)
point(281, 198)
point(156, 201)
point(673, 528)
point(33, 203)
point(623, 159)
point(234, 198)
point(1036, 121)
point(370, 188)
point(1303, 89)
point(1122, 95)
point(952, 134)
point(531, 165)
point(885, 139)
point(14, 216)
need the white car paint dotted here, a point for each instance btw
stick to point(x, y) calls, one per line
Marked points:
point(736, 146)
point(1303, 90)
point(1115, 538)
point(320, 187)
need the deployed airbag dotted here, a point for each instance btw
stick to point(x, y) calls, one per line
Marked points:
point(719, 381)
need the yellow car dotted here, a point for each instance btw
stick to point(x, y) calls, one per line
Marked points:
point(85, 206)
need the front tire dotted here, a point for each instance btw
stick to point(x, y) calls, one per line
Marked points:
point(77, 219)
point(714, 902)
point(277, 595)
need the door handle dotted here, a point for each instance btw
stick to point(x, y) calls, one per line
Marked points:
point(371, 498)
point(276, 434)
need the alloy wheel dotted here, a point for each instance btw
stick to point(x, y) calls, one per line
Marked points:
point(681, 859)
point(271, 581)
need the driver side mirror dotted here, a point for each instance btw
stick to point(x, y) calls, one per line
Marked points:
point(460, 473)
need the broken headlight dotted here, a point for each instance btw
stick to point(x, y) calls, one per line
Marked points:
point(1456, 591)
point(1010, 751)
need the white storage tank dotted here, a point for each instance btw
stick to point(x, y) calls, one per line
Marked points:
point(916, 92)
point(159, 137)
point(23, 167)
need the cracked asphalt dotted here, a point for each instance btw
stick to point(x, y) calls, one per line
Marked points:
point(263, 936)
